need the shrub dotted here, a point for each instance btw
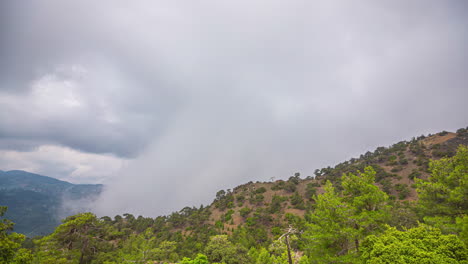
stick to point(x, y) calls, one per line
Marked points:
point(443, 133)
point(290, 187)
point(260, 190)
point(245, 211)
point(403, 190)
point(414, 174)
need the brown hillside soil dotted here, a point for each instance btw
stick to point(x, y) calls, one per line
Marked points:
point(399, 175)
point(437, 139)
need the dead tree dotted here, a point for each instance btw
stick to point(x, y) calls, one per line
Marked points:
point(289, 231)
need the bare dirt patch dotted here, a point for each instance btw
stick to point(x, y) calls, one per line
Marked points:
point(437, 139)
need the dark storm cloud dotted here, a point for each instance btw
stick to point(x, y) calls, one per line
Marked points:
point(210, 94)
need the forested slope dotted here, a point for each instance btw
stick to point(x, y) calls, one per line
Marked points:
point(400, 204)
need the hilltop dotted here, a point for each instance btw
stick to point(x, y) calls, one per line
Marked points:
point(396, 168)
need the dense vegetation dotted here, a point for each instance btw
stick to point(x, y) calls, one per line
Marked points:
point(366, 215)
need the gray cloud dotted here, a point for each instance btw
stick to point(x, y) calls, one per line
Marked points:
point(207, 95)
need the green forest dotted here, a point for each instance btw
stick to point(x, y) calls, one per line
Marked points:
point(355, 212)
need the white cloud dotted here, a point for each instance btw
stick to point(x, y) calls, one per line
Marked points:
point(63, 163)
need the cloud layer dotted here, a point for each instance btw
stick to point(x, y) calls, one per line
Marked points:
point(195, 97)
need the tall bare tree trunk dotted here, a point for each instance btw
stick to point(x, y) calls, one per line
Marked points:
point(289, 250)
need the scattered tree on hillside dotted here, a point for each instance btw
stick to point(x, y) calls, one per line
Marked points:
point(443, 197)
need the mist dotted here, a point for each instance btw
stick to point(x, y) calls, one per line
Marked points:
point(168, 102)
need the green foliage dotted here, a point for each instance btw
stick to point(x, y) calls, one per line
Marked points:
point(279, 185)
point(257, 199)
point(276, 202)
point(403, 215)
point(79, 234)
point(297, 201)
point(228, 216)
point(311, 190)
point(422, 244)
point(414, 174)
point(403, 190)
point(386, 186)
point(339, 223)
point(245, 211)
point(290, 186)
point(260, 190)
point(240, 199)
point(367, 200)
point(220, 249)
point(224, 200)
point(442, 198)
point(200, 259)
point(327, 238)
point(9, 242)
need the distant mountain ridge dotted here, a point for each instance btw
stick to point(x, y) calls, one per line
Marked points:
point(36, 203)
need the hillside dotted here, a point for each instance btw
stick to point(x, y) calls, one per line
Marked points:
point(36, 203)
point(257, 213)
point(397, 166)
point(348, 213)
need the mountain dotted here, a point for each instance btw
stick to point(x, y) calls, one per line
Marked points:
point(270, 206)
point(37, 203)
point(347, 213)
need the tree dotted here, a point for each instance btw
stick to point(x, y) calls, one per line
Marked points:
point(200, 259)
point(221, 250)
point(370, 210)
point(423, 244)
point(287, 236)
point(329, 233)
point(9, 241)
point(442, 198)
point(340, 222)
point(138, 248)
point(79, 234)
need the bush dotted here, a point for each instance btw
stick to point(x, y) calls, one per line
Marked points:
point(245, 211)
point(290, 187)
point(260, 190)
point(297, 201)
point(257, 199)
point(278, 186)
point(240, 198)
point(443, 133)
point(403, 190)
point(414, 174)
point(461, 131)
point(386, 185)
point(228, 215)
point(311, 190)
point(275, 205)
point(403, 161)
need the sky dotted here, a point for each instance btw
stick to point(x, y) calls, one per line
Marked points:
point(167, 102)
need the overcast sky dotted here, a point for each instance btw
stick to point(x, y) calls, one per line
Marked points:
point(167, 102)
